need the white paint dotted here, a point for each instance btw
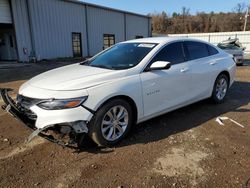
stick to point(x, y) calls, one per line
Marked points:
point(221, 119)
point(154, 92)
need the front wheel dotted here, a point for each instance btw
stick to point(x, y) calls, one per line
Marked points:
point(111, 123)
point(220, 88)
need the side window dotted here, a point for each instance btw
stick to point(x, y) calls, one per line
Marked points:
point(212, 50)
point(172, 53)
point(196, 50)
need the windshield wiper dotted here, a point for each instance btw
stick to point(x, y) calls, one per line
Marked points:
point(85, 62)
point(101, 66)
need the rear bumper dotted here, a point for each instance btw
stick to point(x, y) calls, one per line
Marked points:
point(46, 120)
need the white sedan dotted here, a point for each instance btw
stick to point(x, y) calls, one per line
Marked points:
point(126, 84)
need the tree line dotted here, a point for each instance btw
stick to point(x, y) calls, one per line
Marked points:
point(202, 22)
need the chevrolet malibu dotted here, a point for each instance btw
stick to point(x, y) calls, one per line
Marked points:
point(126, 84)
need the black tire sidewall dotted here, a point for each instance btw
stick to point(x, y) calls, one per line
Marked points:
point(214, 97)
point(95, 125)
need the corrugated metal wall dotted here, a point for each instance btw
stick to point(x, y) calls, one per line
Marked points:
point(5, 14)
point(215, 38)
point(136, 26)
point(101, 22)
point(48, 27)
point(22, 30)
point(53, 23)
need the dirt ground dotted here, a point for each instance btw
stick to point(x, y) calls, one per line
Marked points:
point(184, 148)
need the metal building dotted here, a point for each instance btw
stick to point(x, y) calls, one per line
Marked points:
point(48, 29)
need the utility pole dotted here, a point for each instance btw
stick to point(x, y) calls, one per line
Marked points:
point(246, 16)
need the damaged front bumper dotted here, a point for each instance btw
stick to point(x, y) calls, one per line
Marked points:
point(65, 127)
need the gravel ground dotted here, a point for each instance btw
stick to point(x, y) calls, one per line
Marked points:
point(184, 148)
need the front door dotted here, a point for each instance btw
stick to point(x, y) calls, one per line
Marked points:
point(166, 89)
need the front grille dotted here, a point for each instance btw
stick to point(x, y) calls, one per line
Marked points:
point(24, 104)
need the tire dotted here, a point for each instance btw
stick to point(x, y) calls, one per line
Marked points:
point(107, 131)
point(219, 93)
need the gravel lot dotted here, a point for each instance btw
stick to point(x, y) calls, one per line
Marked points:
point(184, 148)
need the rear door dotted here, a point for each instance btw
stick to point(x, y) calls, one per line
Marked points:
point(202, 64)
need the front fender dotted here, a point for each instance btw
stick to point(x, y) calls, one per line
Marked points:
point(129, 86)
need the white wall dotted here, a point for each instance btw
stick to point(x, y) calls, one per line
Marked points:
point(215, 38)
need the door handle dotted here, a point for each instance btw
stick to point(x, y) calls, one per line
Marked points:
point(213, 63)
point(184, 70)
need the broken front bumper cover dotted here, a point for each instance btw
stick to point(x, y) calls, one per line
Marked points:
point(14, 110)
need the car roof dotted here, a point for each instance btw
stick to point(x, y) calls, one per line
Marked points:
point(163, 40)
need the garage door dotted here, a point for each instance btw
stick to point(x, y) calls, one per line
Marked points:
point(5, 14)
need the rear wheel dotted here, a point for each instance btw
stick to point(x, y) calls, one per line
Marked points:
point(220, 88)
point(111, 123)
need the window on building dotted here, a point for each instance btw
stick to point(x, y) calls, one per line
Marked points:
point(138, 37)
point(108, 40)
point(77, 44)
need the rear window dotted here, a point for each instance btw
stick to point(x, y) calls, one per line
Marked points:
point(212, 50)
point(196, 50)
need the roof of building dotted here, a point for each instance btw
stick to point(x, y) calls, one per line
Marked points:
point(106, 8)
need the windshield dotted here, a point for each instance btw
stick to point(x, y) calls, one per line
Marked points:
point(121, 56)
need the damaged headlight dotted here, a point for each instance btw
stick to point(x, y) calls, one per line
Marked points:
point(59, 104)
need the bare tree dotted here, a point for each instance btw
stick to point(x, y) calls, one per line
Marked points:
point(184, 22)
point(239, 8)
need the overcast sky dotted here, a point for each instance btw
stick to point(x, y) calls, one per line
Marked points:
point(170, 6)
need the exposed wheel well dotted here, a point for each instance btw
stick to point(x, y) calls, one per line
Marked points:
point(227, 75)
point(131, 103)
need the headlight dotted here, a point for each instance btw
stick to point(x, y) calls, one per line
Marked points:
point(58, 104)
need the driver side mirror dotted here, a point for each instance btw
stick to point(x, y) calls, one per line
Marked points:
point(160, 65)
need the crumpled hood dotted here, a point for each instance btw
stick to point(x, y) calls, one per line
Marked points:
point(73, 77)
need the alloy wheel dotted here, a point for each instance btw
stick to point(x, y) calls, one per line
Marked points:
point(114, 123)
point(221, 88)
